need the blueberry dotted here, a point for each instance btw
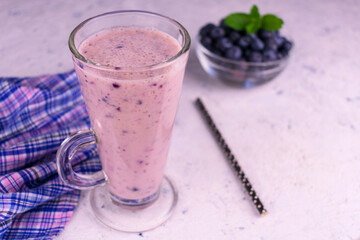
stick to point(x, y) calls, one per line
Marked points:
point(243, 32)
point(224, 26)
point(223, 44)
point(270, 43)
point(233, 53)
point(217, 32)
point(217, 52)
point(287, 45)
point(264, 34)
point(222, 23)
point(279, 40)
point(256, 43)
point(283, 52)
point(279, 55)
point(244, 41)
point(205, 30)
point(255, 57)
point(285, 48)
point(206, 42)
point(234, 36)
point(246, 53)
point(269, 55)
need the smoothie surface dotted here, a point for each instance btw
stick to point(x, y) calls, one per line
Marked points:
point(129, 47)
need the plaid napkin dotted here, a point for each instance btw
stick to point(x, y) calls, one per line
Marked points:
point(36, 115)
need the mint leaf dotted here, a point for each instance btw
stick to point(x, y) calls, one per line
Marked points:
point(271, 22)
point(254, 12)
point(255, 20)
point(237, 21)
point(253, 26)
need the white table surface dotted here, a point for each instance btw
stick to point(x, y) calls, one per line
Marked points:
point(297, 137)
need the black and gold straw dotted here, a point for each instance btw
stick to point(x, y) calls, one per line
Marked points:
point(234, 163)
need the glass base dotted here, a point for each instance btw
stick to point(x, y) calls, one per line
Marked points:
point(134, 219)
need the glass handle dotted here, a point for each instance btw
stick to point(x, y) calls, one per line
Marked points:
point(63, 162)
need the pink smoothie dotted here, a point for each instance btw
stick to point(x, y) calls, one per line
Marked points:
point(132, 111)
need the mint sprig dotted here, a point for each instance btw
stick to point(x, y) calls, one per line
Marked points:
point(237, 21)
point(254, 12)
point(253, 21)
point(271, 22)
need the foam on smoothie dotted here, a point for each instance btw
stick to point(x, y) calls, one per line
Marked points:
point(129, 47)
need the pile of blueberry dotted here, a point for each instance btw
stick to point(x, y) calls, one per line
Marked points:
point(262, 46)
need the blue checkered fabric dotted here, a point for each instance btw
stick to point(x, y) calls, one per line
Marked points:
point(36, 115)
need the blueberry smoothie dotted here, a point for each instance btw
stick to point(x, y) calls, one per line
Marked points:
point(132, 104)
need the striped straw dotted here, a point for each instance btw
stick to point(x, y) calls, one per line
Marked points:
point(234, 163)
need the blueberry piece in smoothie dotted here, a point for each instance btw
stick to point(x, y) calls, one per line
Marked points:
point(139, 102)
point(104, 99)
point(81, 65)
point(115, 85)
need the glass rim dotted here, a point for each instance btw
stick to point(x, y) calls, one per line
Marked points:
point(79, 56)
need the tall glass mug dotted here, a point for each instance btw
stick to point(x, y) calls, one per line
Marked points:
point(132, 109)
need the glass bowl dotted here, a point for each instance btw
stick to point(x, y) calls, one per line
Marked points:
point(240, 73)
